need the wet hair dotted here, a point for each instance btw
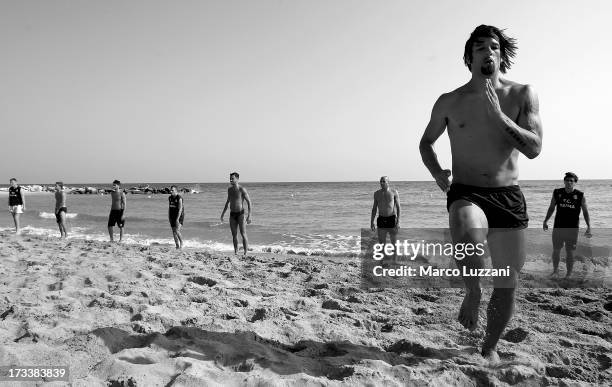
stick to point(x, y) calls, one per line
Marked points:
point(235, 174)
point(13, 179)
point(173, 186)
point(507, 46)
point(117, 182)
point(384, 177)
point(571, 175)
point(60, 183)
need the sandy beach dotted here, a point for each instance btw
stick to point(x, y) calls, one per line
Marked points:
point(129, 315)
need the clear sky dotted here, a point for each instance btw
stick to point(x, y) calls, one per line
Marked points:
point(280, 90)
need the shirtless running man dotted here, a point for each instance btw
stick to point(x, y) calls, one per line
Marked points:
point(236, 196)
point(117, 213)
point(60, 208)
point(490, 120)
point(387, 202)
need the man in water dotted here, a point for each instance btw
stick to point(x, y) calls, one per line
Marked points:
point(16, 203)
point(236, 196)
point(60, 208)
point(117, 213)
point(387, 203)
point(568, 201)
point(490, 120)
point(176, 215)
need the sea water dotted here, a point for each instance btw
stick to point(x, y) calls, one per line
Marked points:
point(303, 218)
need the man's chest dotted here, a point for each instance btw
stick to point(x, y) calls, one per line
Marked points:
point(386, 198)
point(472, 112)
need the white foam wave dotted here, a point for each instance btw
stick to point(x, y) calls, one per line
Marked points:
point(319, 248)
point(51, 215)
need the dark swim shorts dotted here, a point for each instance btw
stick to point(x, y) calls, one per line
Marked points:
point(567, 236)
point(172, 218)
point(385, 221)
point(504, 207)
point(57, 215)
point(115, 218)
point(236, 215)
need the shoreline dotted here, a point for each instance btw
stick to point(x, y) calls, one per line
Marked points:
point(157, 316)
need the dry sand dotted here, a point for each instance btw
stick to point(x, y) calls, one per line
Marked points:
point(124, 315)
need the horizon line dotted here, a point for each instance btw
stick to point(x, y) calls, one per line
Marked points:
point(278, 182)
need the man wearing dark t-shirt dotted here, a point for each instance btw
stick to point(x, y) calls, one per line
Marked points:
point(568, 202)
point(176, 215)
point(16, 203)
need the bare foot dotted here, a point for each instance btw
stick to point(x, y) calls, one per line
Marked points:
point(491, 356)
point(555, 274)
point(468, 314)
point(569, 274)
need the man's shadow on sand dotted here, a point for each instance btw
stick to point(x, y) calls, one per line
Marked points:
point(241, 351)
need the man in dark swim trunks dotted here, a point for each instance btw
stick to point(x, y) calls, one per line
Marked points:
point(176, 215)
point(387, 203)
point(490, 120)
point(569, 202)
point(236, 196)
point(117, 213)
point(16, 203)
point(61, 210)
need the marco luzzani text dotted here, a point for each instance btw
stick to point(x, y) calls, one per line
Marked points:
point(412, 250)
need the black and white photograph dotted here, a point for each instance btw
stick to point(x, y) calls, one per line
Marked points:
point(305, 193)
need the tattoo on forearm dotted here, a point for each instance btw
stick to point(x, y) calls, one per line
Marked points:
point(515, 136)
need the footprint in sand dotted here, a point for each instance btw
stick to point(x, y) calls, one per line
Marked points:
point(202, 281)
point(7, 312)
point(516, 335)
point(111, 278)
point(56, 286)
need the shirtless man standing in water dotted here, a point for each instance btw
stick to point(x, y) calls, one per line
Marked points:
point(60, 209)
point(236, 196)
point(386, 201)
point(117, 213)
point(490, 120)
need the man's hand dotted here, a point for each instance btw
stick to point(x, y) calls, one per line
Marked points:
point(221, 218)
point(442, 179)
point(249, 219)
point(397, 224)
point(492, 99)
point(545, 226)
point(372, 226)
point(588, 232)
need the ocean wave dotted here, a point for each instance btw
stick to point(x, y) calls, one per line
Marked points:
point(81, 233)
point(51, 215)
point(104, 218)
